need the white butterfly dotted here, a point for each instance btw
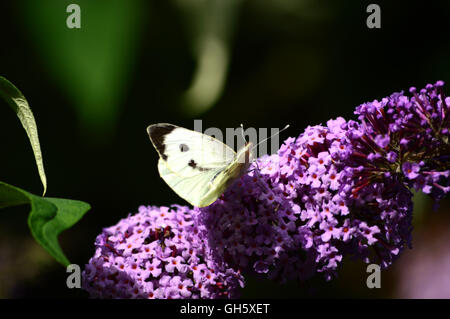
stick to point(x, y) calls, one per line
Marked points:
point(198, 167)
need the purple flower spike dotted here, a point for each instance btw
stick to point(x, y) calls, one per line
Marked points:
point(298, 215)
point(158, 253)
point(414, 131)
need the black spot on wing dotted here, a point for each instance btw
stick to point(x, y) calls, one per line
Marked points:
point(194, 165)
point(157, 134)
point(184, 148)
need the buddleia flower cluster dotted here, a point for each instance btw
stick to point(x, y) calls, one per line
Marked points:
point(337, 191)
point(407, 137)
point(161, 253)
point(296, 215)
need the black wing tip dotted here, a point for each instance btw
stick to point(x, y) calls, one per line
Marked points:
point(160, 129)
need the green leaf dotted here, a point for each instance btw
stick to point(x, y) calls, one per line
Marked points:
point(20, 106)
point(48, 216)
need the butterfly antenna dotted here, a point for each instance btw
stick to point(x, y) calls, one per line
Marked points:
point(242, 132)
point(284, 128)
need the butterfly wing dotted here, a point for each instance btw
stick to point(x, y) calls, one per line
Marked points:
point(197, 189)
point(190, 162)
point(189, 153)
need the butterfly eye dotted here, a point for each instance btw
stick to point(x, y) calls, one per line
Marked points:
point(184, 148)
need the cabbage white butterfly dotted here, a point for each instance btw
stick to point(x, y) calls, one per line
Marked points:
point(198, 167)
